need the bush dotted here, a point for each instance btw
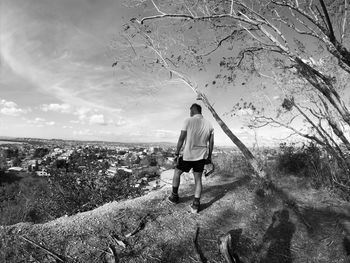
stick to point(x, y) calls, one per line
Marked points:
point(292, 159)
point(40, 152)
point(38, 199)
point(309, 161)
point(231, 164)
point(20, 199)
point(7, 178)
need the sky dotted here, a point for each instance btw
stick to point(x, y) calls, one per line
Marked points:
point(56, 80)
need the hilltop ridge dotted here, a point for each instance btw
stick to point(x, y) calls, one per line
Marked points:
point(312, 233)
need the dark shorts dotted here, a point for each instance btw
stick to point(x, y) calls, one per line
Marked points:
point(185, 166)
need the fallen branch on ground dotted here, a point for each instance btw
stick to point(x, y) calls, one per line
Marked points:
point(140, 226)
point(111, 256)
point(225, 247)
point(198, 250)
point(118, 241)
point(41, 247)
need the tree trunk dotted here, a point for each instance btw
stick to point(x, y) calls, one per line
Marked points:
point(323, 85)
point(245, 151)
point(337, 130)
point(247, 154)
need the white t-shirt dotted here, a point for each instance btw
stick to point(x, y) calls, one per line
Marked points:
point(198, 134)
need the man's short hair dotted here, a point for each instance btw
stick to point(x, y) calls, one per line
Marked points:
point(198, 107)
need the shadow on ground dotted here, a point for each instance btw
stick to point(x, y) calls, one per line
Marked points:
point(315, 219)
point(278, 238)
point(217, 192)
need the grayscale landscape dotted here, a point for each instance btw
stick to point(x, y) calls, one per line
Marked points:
point(95, 97)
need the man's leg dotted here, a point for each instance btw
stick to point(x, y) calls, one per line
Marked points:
point(197, 192)
point(198, 185)
point(174, 197)
point(176, 178)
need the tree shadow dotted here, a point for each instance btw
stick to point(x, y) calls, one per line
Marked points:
point(217, 191)
point(212, 201)
point(316, 220)
point(346, 245)
point(278, 238)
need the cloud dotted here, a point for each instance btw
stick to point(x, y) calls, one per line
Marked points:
point(97, 119)
point(57, 56)
point(85, 132)
point(165, 134)
point(40, 122)
point(50, 123)
point(94, 116)
point(89, 116)
point(119, 122)
point(85, 115)
point(10, 108)
point(61, 60)
point(63, 108)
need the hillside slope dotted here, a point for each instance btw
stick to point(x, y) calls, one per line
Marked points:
point(265, 228)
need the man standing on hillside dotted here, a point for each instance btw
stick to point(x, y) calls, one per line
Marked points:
point(198, 136)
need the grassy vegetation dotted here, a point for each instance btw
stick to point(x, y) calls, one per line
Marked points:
point(40, 199)
point(36, 199)
point(311, 162)
point(311, 232)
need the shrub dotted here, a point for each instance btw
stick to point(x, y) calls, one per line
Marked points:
point(309, 161)
point(40, 152)
point(38, 199)
point(292, 159)
point(231, 164)
point(6, 178)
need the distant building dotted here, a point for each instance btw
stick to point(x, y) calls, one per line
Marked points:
point(9, 163)
point(125, 170)
point(16, 169)
point(42, 173)
point(112, 171)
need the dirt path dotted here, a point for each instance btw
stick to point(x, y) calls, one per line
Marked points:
point(266, 229)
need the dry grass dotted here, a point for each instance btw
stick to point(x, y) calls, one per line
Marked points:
point(312, 233)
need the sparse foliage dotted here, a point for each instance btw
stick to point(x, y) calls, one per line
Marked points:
point(301, 47)
point(35, 199)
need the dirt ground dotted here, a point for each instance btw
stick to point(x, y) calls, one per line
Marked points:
point(291, 223)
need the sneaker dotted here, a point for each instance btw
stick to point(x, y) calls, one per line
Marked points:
point(194, 208)
point(174, 199)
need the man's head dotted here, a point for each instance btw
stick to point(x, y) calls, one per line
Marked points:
point(195, 109)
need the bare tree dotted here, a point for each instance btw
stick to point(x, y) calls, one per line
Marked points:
point(289, 38)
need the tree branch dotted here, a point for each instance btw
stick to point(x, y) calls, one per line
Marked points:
point(329, 23)
point(157, 8)
point(300, 11)
point(346, 7)
point(188, 9)
point(58, 258)
point(293, 26)
point(232, 11)
point(198, 18)
point(305, 135)
point(247, 50)
point(223, 40)
point(312, 11)
point(198, 250)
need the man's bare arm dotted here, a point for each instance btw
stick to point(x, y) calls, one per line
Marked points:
point(211, 145)
point(181, 141)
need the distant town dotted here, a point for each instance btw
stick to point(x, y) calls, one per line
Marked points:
point(43, 157)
